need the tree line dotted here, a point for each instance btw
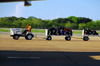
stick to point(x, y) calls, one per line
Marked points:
point(71, 22)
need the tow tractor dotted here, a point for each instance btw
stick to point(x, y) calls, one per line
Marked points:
point(18, 32)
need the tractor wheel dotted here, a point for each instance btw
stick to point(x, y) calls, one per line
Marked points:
point(48, 38)
point(29, 37)
point(85, 38)
point(16, 37)
point(68, 38)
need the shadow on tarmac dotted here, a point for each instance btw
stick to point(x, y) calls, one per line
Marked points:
point(48, 58)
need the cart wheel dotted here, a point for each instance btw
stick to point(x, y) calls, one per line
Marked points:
point(68, 38)
point(29, 37)
point(16, 37)
point(48, 38)
point(85, 38)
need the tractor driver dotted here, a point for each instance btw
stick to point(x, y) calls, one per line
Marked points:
point(29, 29)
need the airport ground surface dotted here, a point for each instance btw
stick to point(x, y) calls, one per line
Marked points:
point(57, 52)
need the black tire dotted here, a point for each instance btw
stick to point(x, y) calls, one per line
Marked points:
point(48, 38)
point(68, 38)
point(26, 37)
point(16, 37)
point(85, 38)
point(29, 37)
point(96, 33)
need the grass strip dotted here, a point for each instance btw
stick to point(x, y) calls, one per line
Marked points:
point(41, 31)
point(38, 31)
point(35, 31)
point(4, 30)
point(77, 32)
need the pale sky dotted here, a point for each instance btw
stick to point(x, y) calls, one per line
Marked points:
point(52, 9)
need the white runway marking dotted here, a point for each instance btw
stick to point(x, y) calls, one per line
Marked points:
point(23, 57)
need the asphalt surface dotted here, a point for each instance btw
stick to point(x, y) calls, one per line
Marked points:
point(33, 58)
point(57, 52)
point(17, 58)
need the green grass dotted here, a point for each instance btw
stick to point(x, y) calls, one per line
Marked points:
point(77, 32)
point(38, 31)
point(4, 30)
point(41, 31)
point(35, 31)
point(98, 32)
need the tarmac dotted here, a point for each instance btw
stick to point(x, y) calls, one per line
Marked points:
point(57, 52)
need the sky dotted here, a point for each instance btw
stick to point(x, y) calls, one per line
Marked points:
point(53, 9)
